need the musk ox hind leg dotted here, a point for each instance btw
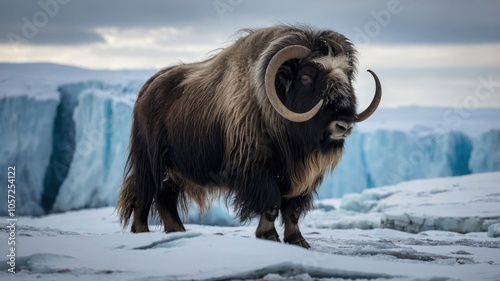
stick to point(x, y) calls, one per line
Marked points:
point(166, 202)
point(139, 187)
point(126, 199)
point(291, 210)
point(129, 203)
point(141, 214)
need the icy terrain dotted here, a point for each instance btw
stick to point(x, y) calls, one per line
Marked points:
point(90, 245)
point(67, 129)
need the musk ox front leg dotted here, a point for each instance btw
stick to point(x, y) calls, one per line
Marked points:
point(266, 229)
point(257, 194)
point(291, 210)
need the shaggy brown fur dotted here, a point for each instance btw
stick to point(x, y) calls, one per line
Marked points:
point(207, 129)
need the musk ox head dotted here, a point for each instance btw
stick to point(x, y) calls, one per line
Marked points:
point(308, 78)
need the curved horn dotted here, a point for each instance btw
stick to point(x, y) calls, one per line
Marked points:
point(375, 102)
point(287, 53)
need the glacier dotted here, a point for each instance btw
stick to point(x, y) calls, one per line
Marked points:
point(486, 154)
point(26, 144)
point(67, 130)
point(494, 230)
point(387, 157)
point(102, 122)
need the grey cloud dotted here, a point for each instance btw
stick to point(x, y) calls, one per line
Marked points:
point(75, 22)
point(432, 22)
point(420, 22)
point(29, 33)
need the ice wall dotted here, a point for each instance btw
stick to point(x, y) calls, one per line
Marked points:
point(63, 135)
point(102, 123)
point(26, 141)
point(486, 153)
point(351, 174)
point(68, 144)
point(387, 157)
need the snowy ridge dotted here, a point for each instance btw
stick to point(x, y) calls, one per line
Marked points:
point(67, 132)
point(90, 244)
point(464, 204)
point(41, 80)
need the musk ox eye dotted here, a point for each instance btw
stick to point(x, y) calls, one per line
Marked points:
point(306, 80)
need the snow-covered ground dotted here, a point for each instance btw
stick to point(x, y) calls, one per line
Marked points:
point(348, 239)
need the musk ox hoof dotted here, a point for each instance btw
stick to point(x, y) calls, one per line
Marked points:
point(271, 238)
point(303, 244)
point(139, 228)
point(174, 228)
point(297, 239)
point(271, 235)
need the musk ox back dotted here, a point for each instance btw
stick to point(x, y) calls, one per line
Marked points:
point(260, 122)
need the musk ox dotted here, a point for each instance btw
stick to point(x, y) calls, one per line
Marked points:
point(260, 123)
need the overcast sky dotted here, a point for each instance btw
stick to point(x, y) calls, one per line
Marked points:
point(437, 53)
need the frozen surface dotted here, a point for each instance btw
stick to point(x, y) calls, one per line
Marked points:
point(67, 129)
point(90, 244)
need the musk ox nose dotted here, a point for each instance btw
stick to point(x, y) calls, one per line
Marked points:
point(340, 129)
